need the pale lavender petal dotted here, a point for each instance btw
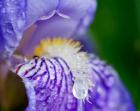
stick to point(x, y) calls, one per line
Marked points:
point(54, 27)
point(46, 9)
point(67, 20)
point(18, 15)
point(37, 9)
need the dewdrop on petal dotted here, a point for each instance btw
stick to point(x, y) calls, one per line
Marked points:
point(79, 90)
point(78, 61)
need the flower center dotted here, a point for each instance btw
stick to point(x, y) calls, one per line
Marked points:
point(78, 61)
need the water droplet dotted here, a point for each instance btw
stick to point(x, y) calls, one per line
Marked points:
point(80, 91)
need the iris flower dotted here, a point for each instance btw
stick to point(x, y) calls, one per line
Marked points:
point(63, 75)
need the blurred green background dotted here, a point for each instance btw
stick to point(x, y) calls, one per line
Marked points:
point(116, 32)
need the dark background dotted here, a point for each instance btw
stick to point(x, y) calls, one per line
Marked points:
point(116, 32)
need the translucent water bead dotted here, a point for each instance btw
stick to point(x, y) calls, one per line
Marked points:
point(80, 89)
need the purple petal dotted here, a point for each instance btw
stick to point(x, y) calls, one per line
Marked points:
point(37, 9)
point(49, 85)
point(12, 21)
point(18, 15)
point(88, 44)
point(49, 80)
point(111, 95)
point(54, 27)
point(74, 8)
point(45, 9)
point(64, 21)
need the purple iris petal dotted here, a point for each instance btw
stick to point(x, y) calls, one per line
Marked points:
point(111, 95)
point(54, 27)
point(37, 9)
point(49, 87)
point(18, 15)
point(12, 21)
point(89, 45)
point(66, 20)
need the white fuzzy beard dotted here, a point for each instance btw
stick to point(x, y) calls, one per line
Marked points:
point(78, 63)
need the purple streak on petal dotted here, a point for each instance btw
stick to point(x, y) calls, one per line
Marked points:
point(46, 97)
point(61, 85)
point(12, 21)
point(58, 73)
point(55, 74)
point(111, 95)
point(71, 103)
